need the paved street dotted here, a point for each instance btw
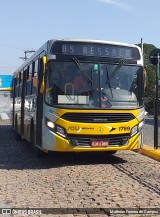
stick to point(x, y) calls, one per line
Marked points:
point(149, 131)
point(127, 179)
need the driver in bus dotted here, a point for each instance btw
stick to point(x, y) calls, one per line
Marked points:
point(73, 83)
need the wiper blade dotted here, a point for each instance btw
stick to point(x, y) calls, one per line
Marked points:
point(83, 72)
point(108, 81)
point(109, 78)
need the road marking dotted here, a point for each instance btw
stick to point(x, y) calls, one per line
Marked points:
point(4, 116)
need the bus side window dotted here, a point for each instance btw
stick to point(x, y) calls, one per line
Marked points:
point(19, 84)
point(28, 83)
point(16, 85)
point(35, 77)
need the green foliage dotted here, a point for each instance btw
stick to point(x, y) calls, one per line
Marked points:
point(151, 78)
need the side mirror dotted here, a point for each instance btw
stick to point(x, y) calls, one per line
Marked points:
point(44, 63)
point(42, 86)
point(42, 89)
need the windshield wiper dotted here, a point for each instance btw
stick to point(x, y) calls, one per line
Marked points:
point(83, 72)
point(108, 82)
point(109, 78)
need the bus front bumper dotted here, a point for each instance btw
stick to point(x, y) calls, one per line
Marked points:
point(61, 144)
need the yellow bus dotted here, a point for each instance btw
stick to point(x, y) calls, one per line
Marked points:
point(80, 96)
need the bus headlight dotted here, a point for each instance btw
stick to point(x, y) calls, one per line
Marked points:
point(50, 124)
point(55, 128)
point(134, 130)
point(140, 125)
point(137, 128)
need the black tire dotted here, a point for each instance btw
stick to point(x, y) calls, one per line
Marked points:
point(18, 136)
point(32, 135)
point(39, 153)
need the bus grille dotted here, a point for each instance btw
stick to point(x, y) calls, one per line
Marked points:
point(85, 141)
point(98, 117)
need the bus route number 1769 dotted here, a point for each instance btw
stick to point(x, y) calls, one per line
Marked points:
point(124, 128)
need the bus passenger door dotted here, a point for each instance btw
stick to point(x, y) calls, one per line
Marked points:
point(39, 113)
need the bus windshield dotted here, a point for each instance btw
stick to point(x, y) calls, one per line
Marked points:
point(93, 85)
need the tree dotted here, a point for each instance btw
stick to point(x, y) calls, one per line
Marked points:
point(151, 78)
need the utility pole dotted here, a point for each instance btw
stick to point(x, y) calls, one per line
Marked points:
point(142, 45)
point(155, 60)
point(25, 54)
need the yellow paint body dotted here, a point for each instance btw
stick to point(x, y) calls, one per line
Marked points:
point(62, 144)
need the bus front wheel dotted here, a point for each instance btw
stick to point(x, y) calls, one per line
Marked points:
point(18, 136)
point(39, 153)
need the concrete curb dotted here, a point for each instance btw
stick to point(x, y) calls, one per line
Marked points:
point(151, 152)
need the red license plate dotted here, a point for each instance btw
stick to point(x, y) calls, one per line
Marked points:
point(99, 143)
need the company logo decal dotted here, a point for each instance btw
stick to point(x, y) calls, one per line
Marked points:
point(110, 128)
point(78, 128)
point(100, 130)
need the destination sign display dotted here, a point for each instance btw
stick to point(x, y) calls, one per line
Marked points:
point(96, 50)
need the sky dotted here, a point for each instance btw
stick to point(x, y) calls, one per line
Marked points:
point(28, 24)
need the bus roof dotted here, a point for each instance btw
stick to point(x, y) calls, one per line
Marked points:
point(96, 41)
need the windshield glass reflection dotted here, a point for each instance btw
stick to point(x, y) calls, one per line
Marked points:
point(93, 85)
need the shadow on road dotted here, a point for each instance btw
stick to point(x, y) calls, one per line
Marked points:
point(137, 178)
point(19, 155)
